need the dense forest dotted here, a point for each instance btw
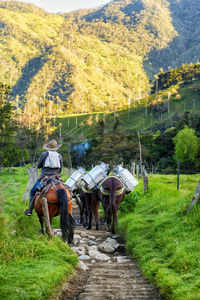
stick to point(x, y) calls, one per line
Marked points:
point(167, 123)
point(92, 60)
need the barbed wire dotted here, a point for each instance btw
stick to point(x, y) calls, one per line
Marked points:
point(173, 182)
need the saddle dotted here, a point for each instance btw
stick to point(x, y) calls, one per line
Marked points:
point(48, 179)
point(48, 182)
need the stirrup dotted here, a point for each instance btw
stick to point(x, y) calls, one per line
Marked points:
point(28, 213)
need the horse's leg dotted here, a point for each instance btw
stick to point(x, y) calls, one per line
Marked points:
point(96, 218)
point(86, 217)
point(108, 213)
point(103, 201)
point(81, 213)
point(96, 214)
point(83, 210)
point(89, 207)
point(94, 209)
point(41, 223)
point(47, 217)
point(80, 205)
point(90, 219)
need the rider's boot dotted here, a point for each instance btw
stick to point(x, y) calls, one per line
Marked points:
point(28, 212)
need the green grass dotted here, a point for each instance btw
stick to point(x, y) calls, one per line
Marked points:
point(164, 239)
point(32, 265)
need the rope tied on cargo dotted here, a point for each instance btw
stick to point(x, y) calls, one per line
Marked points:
point(106, 192)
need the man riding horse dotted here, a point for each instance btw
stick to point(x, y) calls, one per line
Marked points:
point(51, 163)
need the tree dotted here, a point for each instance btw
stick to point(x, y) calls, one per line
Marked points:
point(6, 126)
point(186, 147)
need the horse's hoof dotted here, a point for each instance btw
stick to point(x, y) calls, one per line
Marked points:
point(41, 232)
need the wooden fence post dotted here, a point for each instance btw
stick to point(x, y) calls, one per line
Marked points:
point(33, 174)
point(195, 198)
point(178, 174)
point(145, 179)
point(138, 171)
point(133, 168)
point(46, 217)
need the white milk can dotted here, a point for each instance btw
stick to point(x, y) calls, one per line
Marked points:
point(127, 178)
point(74, 180)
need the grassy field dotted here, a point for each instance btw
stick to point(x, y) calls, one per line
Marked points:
point(31, 265)
point(163, 238)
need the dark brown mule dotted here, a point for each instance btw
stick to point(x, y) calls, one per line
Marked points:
point(90, 201)
point(82, 206)
point(111, 193)
point(59, 203)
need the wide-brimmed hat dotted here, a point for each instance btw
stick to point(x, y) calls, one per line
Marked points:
point(52, 146)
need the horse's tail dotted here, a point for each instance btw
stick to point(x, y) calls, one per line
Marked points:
point(113, 209)
point(65, 218)
point(112, 196)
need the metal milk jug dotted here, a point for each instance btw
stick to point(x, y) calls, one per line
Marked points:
point(74, 180)
point(97, 174)
point(127, 178)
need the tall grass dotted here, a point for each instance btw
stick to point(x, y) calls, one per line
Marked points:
point(31, 265)
point(164, 239)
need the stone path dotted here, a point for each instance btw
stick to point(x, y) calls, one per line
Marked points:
point(105, 271)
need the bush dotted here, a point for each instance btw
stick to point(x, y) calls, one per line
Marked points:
point(129, 203)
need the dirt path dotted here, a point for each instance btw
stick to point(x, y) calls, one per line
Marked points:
point(109, 274)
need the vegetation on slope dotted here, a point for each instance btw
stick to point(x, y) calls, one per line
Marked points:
point(91, 60)
point(185, 46)
point(184, 74)
point(84, 61)
point(113, 137)
point(110, 136)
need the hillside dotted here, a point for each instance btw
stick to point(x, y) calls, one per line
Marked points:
point(50, 58)
point(157, 112)
point(185, 47)
point(93, 60)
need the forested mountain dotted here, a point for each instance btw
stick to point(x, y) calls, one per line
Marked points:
point(93, 60)
point(185, 47)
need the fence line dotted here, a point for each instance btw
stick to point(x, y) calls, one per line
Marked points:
point(173, 182)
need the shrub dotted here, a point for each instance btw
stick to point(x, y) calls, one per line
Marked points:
point(129, 202)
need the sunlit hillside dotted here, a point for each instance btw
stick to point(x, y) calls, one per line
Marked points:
point(93, 60)
point(155, 113)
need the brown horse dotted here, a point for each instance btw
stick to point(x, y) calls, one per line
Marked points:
point(90, 202)
point(111, 193)
point(59, 203)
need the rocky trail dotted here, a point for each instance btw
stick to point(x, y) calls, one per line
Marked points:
point(105, 270)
